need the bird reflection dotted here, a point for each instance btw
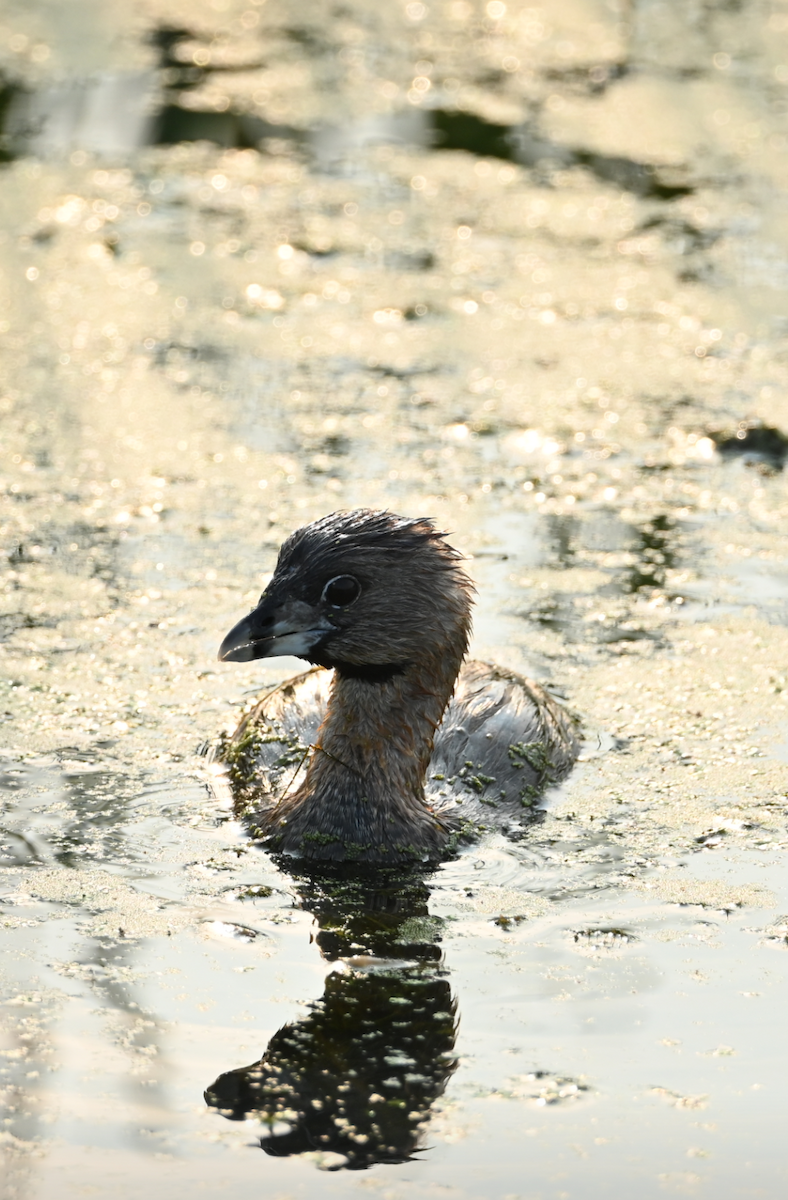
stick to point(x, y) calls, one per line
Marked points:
point(357, 1076)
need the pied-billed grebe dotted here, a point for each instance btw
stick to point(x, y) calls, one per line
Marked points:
point(384, 602)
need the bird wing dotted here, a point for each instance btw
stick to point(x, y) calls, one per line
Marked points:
point(502, 741)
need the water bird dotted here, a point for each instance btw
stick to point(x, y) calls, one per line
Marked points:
point(392, 747)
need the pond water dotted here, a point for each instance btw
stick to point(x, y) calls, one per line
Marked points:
point(519, 268)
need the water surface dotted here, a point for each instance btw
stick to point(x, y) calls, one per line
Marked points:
point(519, 269)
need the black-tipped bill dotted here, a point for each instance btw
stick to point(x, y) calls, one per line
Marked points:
point(291, 628)
point(240, 645)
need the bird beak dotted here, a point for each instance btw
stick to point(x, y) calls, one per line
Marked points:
point(275, 628)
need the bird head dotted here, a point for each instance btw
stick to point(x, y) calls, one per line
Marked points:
point(364, 591)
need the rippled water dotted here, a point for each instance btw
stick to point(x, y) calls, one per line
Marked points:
point(622, 1036)
point(520, 269)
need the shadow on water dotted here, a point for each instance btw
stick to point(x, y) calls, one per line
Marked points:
point(562, 531)
point(638, 559)
point(120, 112)
point(753, 443)
point(655, 555)
point(355, 1079)
point(452, 129)
point(71, 818)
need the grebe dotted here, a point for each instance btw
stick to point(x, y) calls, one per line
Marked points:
point(402, 748)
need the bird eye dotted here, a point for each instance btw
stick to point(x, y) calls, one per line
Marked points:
point(341, 591)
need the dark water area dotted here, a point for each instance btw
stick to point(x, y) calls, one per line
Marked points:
point(524, 270)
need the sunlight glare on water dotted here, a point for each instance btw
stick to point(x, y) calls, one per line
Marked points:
point(521, 269)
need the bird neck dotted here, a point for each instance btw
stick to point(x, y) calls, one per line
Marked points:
point(364, 786)
point(382, 733)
